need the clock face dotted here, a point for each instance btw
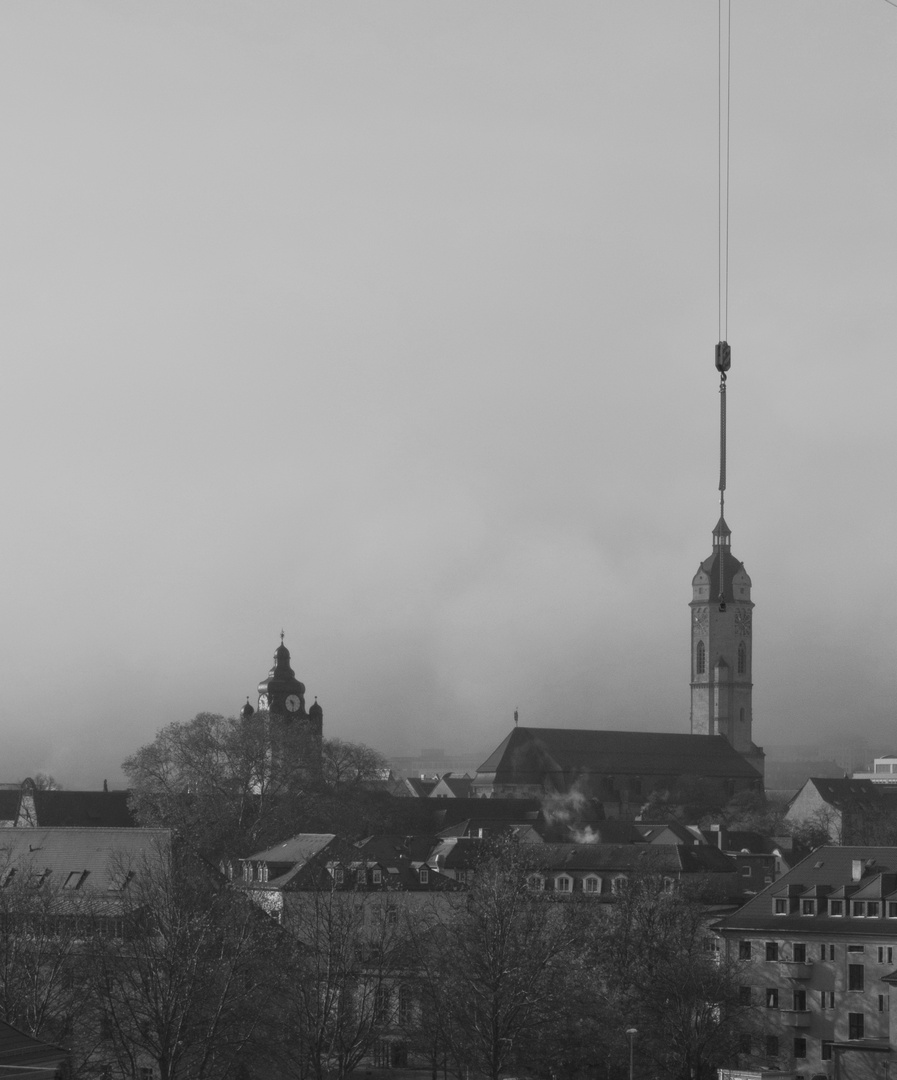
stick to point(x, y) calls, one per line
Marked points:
point(293, 703)
point(263, 701)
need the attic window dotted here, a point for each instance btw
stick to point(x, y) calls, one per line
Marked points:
point(7, 876)
point(836, 908)
point(424, 875)
point(859, 909)
point(338, 875)
point(780, 906)
point(808, 907)
point(872, 909)
point(892, 909)
point(377, 876)
point(563, 883)
point(75, 879)
point(123, 880)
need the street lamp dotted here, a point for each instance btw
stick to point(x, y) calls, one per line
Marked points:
point(631, 1032)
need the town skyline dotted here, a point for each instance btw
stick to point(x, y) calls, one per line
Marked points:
point(394, 330)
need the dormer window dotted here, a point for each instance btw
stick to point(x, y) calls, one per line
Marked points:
point(780, 905)
point(872, 909)
point(339, 875)
point(836, 908)
point(536, 882)
point(563, 884)
point(859, 909)
point(592, 884)
point(808, 907)
point(424, 875)
point(377, 876)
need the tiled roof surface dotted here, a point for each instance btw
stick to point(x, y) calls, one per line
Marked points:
point(527, 753)
point(660, 858)
point(827, 866)
point(297, 849)
point(103, 853)
point(87, 809)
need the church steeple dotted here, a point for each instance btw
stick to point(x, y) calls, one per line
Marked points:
point(721, 618)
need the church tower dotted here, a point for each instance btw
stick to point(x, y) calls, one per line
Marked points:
point(283, 696)
point(721, 628)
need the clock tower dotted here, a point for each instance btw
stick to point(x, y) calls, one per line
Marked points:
point(283, 696)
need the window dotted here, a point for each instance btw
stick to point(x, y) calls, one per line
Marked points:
point(826, 1052)
point(700, 659)
point(377, 876)
point(854, 948)
point(772, 950)
point(828, 952)
point(381, 1004)
point(856, 1025)
point(339, 875)
point(405, 1005)
point(827, 999)
point(799, 1000)
point(800, 1048)
point(885, 954)
point(799, 952)
point(855, 977)
point(772, 998)
point(536, 882)
point(424, 876)
point(592, 884)
point(563, 884)
point(892, 909)
point(744, 995)
point(872, 909)
point(617, 884)
point(745, 871)
point(882, 1003)
point(780, 906)
point(836, 908)
point(808, 907)
point(744, 950)
point(742, 659)
point(772, 1045)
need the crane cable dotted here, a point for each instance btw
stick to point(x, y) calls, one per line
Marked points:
point(723, 352)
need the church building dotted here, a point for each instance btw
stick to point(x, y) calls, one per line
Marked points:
point(622, 768)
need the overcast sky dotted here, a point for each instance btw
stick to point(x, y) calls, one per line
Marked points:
point(392, 325)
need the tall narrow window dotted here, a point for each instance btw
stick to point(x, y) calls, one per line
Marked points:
point(700, 659)
point(742, 659)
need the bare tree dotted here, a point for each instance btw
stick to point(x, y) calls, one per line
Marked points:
point(493, 962)
point(341, 989)
point(187, 988)
point(351, 763)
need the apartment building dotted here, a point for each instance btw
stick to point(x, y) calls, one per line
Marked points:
point(815, 954)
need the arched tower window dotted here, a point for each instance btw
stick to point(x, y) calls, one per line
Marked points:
point(742, 659)
point(700, 659)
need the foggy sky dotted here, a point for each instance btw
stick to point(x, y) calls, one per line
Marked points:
point(392, 325)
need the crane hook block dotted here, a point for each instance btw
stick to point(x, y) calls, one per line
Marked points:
point(723, 357)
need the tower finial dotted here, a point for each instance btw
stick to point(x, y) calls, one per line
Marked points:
point(281, 637)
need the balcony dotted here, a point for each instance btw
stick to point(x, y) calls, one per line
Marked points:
point(796, 1018)
point(796, 970)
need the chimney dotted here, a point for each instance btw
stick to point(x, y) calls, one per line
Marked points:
point(856, 869)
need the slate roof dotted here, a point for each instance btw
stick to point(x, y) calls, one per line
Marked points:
point(527, 754)
point(826, 870)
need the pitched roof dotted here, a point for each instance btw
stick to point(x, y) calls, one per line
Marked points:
point(92, 861)
point(87, 809)
point(684, 858)
point(28, 1058)
point(830, 867)
point(527, 754)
